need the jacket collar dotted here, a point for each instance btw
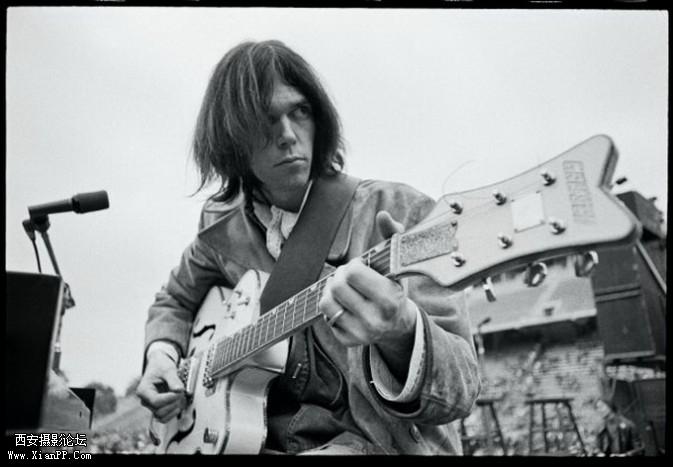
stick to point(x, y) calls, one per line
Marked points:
point(235, 234)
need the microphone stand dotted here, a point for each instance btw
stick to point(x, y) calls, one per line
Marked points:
point(41, 224)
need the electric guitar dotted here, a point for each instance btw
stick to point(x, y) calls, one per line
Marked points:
point(558, 208)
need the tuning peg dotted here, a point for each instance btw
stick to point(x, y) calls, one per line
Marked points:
point(505, 241)
point(458, 258)
point(585, 263)
point(487, 285)
point(500, 197)
point(556, 226)
point(456, 206)
point(548, 178)
point(535, 274)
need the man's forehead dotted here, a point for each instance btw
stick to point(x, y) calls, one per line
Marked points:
point(284, 96)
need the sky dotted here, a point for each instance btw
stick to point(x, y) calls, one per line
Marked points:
point(106, 98)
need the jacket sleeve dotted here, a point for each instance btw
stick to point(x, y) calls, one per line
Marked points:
point(171, 315)
point(450, 381)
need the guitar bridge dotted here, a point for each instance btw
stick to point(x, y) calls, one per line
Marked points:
point(187, 372)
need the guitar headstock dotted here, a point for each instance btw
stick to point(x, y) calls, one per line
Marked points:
point(562, 206)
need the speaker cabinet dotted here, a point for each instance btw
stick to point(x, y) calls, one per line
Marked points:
point(36, 397)
point(631, 310)
point(33, 307)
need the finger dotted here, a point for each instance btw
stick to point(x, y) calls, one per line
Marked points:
point(333, 320)
point(364, 285)
point(338, 294)
point(350, 330)
point(169, 415)
point(173, 382)
point(387, 225)
point(328, 305)
point(169, 409)
point(158, 400)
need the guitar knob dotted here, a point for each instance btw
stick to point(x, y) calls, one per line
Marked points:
point(210, 436)
point(535, 274)
point(458, 259)
point(500, 197)
point(548, 178)
point(585, 263)
point(487, 285)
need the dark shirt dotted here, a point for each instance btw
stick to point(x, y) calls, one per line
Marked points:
point(619, 436)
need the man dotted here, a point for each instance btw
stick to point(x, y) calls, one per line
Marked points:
point(392, 364)
point(619, 435)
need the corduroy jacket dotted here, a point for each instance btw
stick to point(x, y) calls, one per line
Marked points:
point(230, 242)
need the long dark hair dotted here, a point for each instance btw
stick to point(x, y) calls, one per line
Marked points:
point(233, 115)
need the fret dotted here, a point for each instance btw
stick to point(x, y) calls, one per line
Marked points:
point(321, 287)
point(280, 317)
point(260, 336)
point(239, 345)
point(227, 351)
point(294, 308)
point(219, 354)
point(246, 340)
point(303, 311)
point(285, 312)
point(255, 344)
point(308, 303)
point(272, 323)
point(241, 348)
point(234, 346)
point(266, 326)
point(318, 296)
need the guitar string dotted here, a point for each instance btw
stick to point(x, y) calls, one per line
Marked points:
point(243, 351)
point(231, 350)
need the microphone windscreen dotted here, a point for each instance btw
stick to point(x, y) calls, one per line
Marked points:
point(87, 202)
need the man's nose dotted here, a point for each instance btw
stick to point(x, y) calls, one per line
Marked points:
point(286, 136)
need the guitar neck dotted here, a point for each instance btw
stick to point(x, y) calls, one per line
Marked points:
point(560, 207)
point(285, 319)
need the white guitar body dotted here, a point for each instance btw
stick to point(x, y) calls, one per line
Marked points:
point(236, 400)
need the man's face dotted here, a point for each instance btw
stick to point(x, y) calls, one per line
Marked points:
point(603, 408)
point(284, 164)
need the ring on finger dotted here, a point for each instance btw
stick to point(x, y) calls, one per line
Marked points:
point(332, 321)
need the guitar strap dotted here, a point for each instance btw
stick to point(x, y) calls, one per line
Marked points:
point(303, 255)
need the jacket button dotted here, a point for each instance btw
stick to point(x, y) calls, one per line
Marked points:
point(415, 433)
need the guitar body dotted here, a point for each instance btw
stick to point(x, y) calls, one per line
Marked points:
point(235, 400)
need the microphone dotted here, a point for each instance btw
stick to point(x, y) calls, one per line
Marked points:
point(80, 203)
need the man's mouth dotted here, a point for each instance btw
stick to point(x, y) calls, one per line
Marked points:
point(289, 159)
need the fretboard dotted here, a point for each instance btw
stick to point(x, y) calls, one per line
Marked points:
point(285, 319)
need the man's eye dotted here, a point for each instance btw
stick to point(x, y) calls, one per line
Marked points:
point(302, 111)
